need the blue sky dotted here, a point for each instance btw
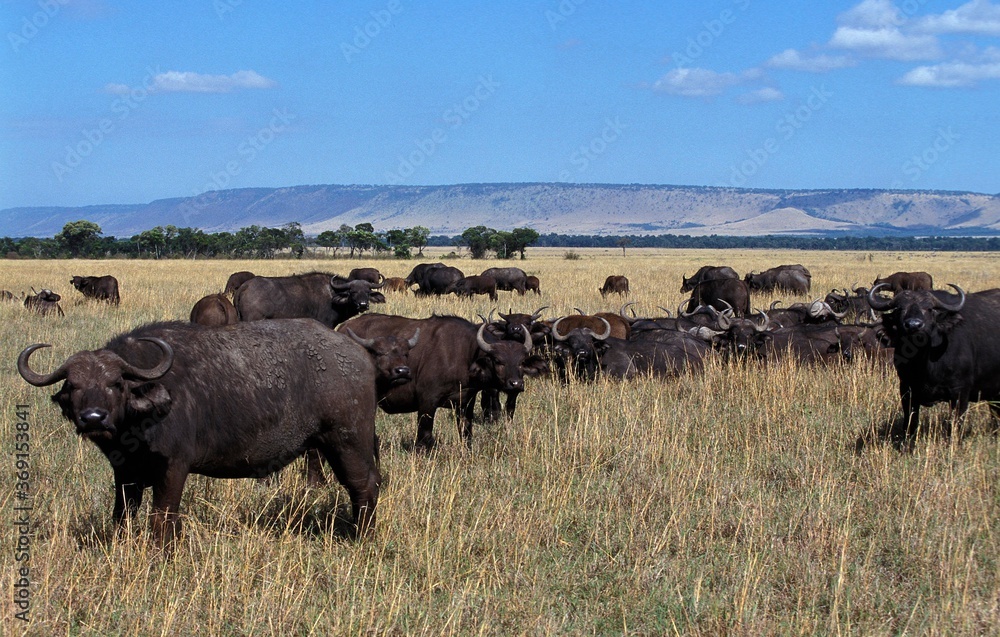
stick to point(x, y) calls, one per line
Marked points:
point(127, 102)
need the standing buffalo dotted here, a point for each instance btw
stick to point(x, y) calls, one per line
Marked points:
point(394, 284)
point(214, 310)
point(327, 298)
point(794, 279)
point(722, 294)
point(45, 302)
point(372, 275)
point(945, 348)
point(236, 279)
point(170, 399)
point(419, 272)
point(476, 284)
point(509, 279)
point(899, 281)
point(450, 364)
point(705, 273)
point(532, 283)
point(102, 288)
point(616, 284)
point(438, 281)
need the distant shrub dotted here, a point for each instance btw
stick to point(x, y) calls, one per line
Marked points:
point(570, 255)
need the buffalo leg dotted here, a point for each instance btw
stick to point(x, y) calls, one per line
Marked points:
point(468, 407)
point(425, 430)
point(511, 405)
point(906, 427)
point(314, 468)
point(128, 497)
point(490, 402)
point(167, 490)
point(356, 470)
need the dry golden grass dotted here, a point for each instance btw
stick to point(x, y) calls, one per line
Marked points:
point(725, 503)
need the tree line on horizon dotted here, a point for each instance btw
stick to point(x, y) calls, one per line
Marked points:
point(84, 239)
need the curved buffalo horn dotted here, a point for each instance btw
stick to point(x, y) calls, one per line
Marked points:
point(816, 308)
point(490, 319)
point(155, 372)
point(538, 313)
point(36, 379)
point(723, 321)
point(621, 311)
point(775, 304)
point(666, 311)
point(579, 311)
point(555, 330)
point(338, 282)
point(681, 312)
point(366, 343)
point(483, 345)
point(767, 322)
point(878, 303)
point(413, 339)
point(830, 309)
point(729, 308)
point(607, 330)
point(952, 307)
point(528, 342)
point(373, 286)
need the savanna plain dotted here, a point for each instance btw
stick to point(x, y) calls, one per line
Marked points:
point(729, 502)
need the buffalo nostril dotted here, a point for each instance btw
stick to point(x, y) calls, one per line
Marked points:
point(913, 324)
point(402, 371)
point(93, 417)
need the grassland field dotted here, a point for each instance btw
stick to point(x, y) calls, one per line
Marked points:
point(729, 502)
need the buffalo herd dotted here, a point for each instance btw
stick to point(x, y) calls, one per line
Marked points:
point(290, 387)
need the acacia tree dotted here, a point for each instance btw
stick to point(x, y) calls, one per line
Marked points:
point(78, 236)
point(478, 240)
point(521, 238)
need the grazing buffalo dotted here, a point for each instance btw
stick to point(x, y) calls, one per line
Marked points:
point(476, 284)
point(214, 310)
point(794, 279)
point(705, 273)
point(394, 284)
point(722, 294)
point(419, 273)
point(45, 302)
point(372, 275)
point(102, 288)
point(899, 281)
point(450, 364)
point(509, 279)
point(944, 349)
point(532, 283)
point(170, 399)
point(236, 279)
point(329, 299)
point(438, 280)
point(614, 284)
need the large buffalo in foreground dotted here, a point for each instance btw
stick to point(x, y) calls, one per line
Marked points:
point(170, 399)
point(329, 299)
point(945, 349)
point(899, 281)
point(102, 288)
point(794, 279)
point(214, 310)
point(509, 279)
point(451, 363)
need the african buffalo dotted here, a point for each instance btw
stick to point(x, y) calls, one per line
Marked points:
point(509, 279)
point(899, 281)
point(394, 284)
point(450, 364)
point(102, 288)
point(850, 303)
point(794, 279)
point(45, 302)
point(214, 310)
point(476, 284)
point(532, 283)
point(329, 299)
point(438, 281)
point(614, 284)
point(705, 273)
point(170, 399)
point(236, 279)
point(372, 275)
point(419, 273)
point(797, 313)
point(722, 294)
point(945, 348)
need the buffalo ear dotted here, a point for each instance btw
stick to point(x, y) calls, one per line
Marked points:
point(149, 399)
point(376, 297)
point(480, 371)
point(534, 366)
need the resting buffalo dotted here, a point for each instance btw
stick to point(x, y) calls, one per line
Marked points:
point(722, 294)
point(705, 273)
point(509, 279)
point(45, 302)
point(850, 303)
point(394, 284)
point(102, 288)
point(532, 283)
point(372, 275)
point(236, 279)
point(214, 310)
point(945, 348)
point(906, 281)
point(450, 364)
point(170, 399)
point(614, 284)
point(794, 279)
point(327, 298)
point(816, 312)
point(476, 284)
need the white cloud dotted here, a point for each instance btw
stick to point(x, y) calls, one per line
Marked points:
point(978, 17)
point(795, 61)
point(951, 75)
point(697, 82)
point(872, 29)
point(766, 94)
point(188, 82)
